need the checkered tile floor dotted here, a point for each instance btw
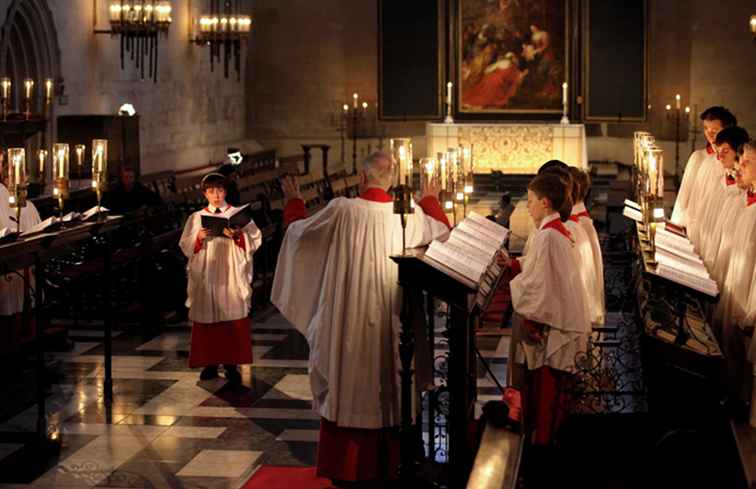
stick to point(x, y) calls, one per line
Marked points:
point(167, 429)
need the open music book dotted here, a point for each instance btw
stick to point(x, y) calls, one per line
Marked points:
point(240, 218)
point(632, 211)
point(678, 261)
point(471, 246)
point(70, 217)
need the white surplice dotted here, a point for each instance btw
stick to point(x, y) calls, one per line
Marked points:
point(733, 306)
point(220, 273)
point(687, 187)
point(336, 283)
point(12, 285)
point(707, 181)
point(549, 291)
point(598, 302)
point(718, 221)
point(586, 267)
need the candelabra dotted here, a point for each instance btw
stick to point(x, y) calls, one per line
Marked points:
point(226, 29)
point(401, 152)
point(60, 172)
point(449, 119)
point(17, 182)
point(99, 168)
point(351, 117)
point(649, 169)
point(676, 116)
point(80, 149)
point(139, 23)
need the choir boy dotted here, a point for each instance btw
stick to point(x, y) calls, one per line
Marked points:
point(552, 320)
point(580, 215)
point(219, 286)
point(727, 143)
point(335, 281)
point(706, 172)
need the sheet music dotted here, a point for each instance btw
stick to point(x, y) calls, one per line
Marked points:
point(707, 286)
point(39, 226)
point(632, 213)
point(447, 255)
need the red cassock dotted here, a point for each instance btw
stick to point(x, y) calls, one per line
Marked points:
point(225, 342)
point(359, 454)
point(494, 89)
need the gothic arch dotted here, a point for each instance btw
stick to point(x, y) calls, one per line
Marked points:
point(29, 45)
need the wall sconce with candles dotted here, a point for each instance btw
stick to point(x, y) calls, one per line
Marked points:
point(139, 23)
point(223, 30)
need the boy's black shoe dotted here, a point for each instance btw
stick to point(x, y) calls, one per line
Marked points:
point(232, 374)
point(209, 372)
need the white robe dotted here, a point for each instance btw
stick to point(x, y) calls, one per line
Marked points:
point(586, 266)
point(687, 187)
point(733, 306)
point(12, 285)
point(336, 283)
point(220, 273)
point(549, 291)
point(598, 304)
point(719, 222)
point(707, 180)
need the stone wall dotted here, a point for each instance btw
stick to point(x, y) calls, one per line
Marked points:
point(309, 57)
point(188, 117)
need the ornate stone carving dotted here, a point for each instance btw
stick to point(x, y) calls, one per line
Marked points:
point(509, 148)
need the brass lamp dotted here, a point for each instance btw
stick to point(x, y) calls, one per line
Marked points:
point(99, 168)
point(60, 172)
point(17, 182)
point(401, 152)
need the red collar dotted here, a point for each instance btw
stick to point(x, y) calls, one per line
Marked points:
point(576, 217)
point(376, 195)
point(709, 149)
point(750, 198)
point(730, 180)
point(557, 225)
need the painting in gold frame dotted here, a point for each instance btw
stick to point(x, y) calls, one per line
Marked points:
point(512, 56)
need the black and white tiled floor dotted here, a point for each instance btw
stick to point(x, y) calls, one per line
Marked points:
point(167, 429)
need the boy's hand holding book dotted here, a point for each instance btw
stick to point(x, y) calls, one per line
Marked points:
point(232, 233)
point(203, 234)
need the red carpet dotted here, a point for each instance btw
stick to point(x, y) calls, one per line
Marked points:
point(282, 477)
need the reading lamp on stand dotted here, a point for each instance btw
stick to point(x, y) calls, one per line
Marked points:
point(60, 171)
point(401, 152)
point(17, 182)
point(99, 168)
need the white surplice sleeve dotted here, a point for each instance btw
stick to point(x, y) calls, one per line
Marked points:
point(189, 236)
point(680, 211)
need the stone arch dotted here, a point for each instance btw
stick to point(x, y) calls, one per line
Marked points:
point(29, 46)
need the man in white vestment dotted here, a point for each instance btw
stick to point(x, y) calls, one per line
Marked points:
point(336, 283)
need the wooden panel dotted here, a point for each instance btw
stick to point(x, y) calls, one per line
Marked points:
point(410, 47)
point(614, 46)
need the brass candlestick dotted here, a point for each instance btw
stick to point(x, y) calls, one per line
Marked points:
point(401, 151)
point(17, 182)
point(99, 168)
point(60, 173)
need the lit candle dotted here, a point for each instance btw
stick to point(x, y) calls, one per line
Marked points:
point(29, 85)
point(687, 110)
point(6, 86)
point(442, 169)
point(115, 12)
point(364, 106)
point(668, 107)
point(79, 155)
point(346, 108)
point(48, 90)
point(42, 157)
point(355, 97)
point(449, 93)
point(60, 160)
point(564, 94)
point(677, 101)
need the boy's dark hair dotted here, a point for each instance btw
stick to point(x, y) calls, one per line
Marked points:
point(213, 180)
point(569, 188)
point(552, 186)
point(552, 164)
point(721, 114)
point(735, 136)
point(582, 182)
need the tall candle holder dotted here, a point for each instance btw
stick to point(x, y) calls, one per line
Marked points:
point(80, 149)
point(5, 92)
point(449, 119)
point(353, 115)
point(467, 175)
point(455, 195)
point(565, 119)
point(401, 152)
point(60, 173)
point(17, 182)
point(99, 168)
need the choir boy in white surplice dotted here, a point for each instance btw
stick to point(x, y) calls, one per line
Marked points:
point(219, 286)
point(581, 215)
point(12, 294)
point(336, 283)
point(707, 176)
point(735, 311)
point(552, 318)
point(727, 142)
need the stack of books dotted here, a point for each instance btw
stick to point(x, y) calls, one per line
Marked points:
point(471, 246)
point(632, 211)
point(677, 260)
